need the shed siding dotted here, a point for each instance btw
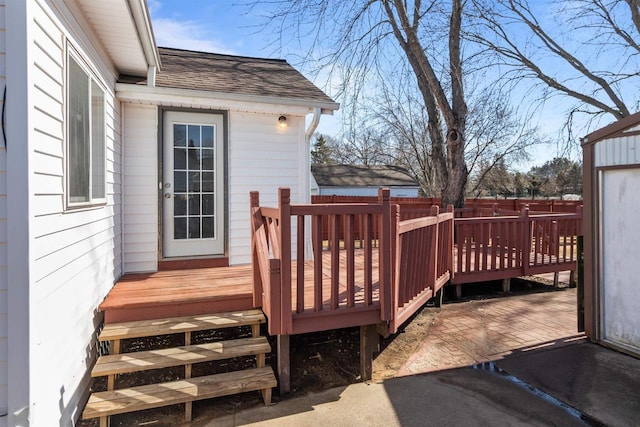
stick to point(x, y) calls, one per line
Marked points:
point(261, 158)
point(3, 231)
point(618, 151)
point(76, 256)
point(140, 188)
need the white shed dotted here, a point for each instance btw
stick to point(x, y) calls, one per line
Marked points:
point(611, 234)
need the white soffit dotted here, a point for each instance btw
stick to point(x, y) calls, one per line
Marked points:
point(115, 27)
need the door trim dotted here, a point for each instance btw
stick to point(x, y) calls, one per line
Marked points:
point(225, 160)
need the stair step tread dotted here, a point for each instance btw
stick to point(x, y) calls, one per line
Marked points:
point(174, 325)
point(178, 356)
point(156, 395)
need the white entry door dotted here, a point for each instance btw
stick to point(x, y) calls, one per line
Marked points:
point(193, 184)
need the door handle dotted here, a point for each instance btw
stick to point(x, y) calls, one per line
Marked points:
point(167, 195)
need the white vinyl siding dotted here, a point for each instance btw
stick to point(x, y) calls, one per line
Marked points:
point(76, 254)
point(3, 231)
point(140, 188)
point(261, 158)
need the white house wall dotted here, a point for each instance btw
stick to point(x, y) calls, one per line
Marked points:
point(3, 232)
point(261, 158)
point(76, 253)
point(140, 187)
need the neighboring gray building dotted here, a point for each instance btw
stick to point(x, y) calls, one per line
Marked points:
point(349, 180)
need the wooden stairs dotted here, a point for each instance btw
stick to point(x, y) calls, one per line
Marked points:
point(261, 378)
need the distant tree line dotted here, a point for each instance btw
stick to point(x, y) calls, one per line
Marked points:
point(491, 177)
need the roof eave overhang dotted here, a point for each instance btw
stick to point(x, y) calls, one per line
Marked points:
point(171, 96)
point(142, 22)
point(614, 129)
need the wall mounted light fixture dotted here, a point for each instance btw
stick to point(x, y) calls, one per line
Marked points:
point(282, 122)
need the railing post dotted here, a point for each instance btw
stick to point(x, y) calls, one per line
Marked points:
point(433, 257)
point(526, 239)
point(284, 213)
point(451, 236)
point(255, 267)
point(395, 265)
point(385, 255)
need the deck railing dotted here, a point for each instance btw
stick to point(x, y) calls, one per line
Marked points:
point(352, 275)
point(354, 264)
point(424, 260)
point(510, 246)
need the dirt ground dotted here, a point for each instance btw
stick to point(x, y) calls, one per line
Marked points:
point(319, 361)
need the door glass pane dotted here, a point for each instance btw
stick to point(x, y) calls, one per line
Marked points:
point(179, 135)
point(180, 205)
point(194, 181)
point(194, 228)
point(194, 159)
point(180, 181)
point(194, 205)
point(208, 183)
point(208, 207)
point(179, 158)
point(208, 227)
point(194, 136)
point(207, 160)
point(180, 228)
point(207, 136)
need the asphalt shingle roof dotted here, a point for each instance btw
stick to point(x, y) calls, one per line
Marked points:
point(362, 176)
point(214, 72)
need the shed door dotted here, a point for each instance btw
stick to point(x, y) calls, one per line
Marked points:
point(620, 227)
point(193, 187)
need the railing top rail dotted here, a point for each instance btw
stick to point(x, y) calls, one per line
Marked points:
point(413, 224)
point(336, 209)
point(269, 212)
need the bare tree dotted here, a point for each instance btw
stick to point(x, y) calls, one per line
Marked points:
point(363, 40)
point(565, 53)
point(363, 146)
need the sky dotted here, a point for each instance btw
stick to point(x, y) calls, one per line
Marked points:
point(231, 27)
point(222, 26)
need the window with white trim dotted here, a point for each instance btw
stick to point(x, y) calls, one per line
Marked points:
point(86, 160)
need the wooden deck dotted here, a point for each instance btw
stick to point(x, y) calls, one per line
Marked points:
point(370, 266)
point(211, 290)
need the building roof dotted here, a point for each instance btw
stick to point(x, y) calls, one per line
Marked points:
point(615, 129)
point(212, 72)
point(362, 176)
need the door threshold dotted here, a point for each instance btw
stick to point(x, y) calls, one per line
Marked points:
point(190, 263)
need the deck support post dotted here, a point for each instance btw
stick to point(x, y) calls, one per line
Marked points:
point(572, 279)
point(458, 291)
point(506, 285)
point(369, 342)
point(439, 297)
point(284, 364)
point(556, 280)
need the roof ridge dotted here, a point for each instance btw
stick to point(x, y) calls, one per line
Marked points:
point(221, 54)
